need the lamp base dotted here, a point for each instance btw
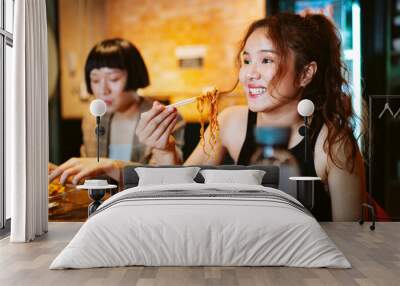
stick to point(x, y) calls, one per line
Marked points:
point(373, 217)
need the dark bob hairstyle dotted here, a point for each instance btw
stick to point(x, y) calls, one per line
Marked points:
point(120, 54)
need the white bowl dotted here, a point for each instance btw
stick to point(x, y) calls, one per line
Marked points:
point(96, 183)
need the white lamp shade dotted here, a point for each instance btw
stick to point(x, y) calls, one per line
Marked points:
point(305, 107)
point(98, 107)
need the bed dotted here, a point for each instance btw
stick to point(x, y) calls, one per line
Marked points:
point(201, 224)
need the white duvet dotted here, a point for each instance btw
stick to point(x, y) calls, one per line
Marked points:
point(183, 231)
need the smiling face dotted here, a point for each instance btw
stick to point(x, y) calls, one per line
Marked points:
point(260, 62)
point(109, 84)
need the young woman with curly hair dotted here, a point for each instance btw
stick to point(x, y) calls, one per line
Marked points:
point(283, 59)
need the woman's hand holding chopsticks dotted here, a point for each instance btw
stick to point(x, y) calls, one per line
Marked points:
point(155, 129)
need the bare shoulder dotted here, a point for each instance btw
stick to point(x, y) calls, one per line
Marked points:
point(340, 150)
point(343, 175)
point(233, 115)
point(243, 109)
point(232, 119)
point(233, 124)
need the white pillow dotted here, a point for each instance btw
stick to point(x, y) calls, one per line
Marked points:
point(163, 176)
point(249, 177)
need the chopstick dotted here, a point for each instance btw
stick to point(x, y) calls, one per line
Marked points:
point(193, 99)
point(183, 102)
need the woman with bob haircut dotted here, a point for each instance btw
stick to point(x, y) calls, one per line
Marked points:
point(114, 71)
point(283, 59)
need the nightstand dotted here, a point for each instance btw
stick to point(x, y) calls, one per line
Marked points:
point(305, 190)
point(96, 191)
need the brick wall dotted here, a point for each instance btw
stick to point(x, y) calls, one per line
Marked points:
point(159, 27)
point(81, 25)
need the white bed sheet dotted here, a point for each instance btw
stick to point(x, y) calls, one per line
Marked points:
point(200, 231)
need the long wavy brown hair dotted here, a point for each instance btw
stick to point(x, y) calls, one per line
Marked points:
point(315, 38)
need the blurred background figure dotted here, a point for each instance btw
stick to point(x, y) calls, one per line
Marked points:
point(114, 71)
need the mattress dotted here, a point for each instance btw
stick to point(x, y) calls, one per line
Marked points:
point(201, 225)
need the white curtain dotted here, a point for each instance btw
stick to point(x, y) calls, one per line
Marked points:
point(27, 123)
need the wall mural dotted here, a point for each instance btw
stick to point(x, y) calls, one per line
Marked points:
point(170, 91)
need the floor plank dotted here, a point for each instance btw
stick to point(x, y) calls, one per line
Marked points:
point(374, 255)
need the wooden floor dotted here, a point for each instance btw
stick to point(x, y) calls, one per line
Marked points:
point(375, 256)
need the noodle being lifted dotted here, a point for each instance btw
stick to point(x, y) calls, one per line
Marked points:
point(210, 97)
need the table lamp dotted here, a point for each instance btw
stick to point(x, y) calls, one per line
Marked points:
point(305, 183)
point(97, 187)
point(98, 108)
point(306, 109)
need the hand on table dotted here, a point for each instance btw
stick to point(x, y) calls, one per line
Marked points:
point(80, 168)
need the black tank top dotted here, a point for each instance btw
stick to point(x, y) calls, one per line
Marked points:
point(322, 207)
